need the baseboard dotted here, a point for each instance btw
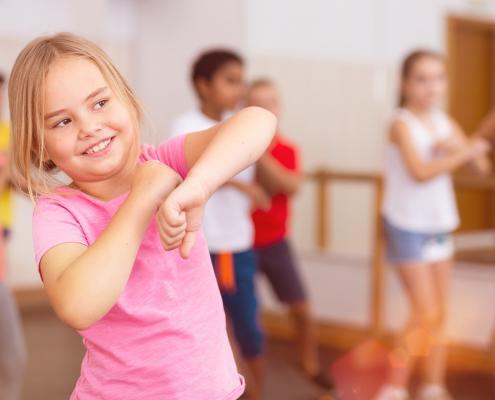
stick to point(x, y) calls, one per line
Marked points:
point(30, 298)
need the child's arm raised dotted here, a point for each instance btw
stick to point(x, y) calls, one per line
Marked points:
point(423, 170)
point(213, 156)
point(83, 283)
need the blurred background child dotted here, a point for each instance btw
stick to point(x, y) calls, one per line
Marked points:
point(425, 145)
point(279, 172)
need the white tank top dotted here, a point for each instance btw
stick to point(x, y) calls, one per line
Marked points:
point(427, 207)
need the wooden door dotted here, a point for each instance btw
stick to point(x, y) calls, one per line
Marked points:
point(471, 65)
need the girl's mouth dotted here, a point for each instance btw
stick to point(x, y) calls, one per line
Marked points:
point(100, 148)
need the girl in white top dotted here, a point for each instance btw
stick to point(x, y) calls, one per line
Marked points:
point(420, 212)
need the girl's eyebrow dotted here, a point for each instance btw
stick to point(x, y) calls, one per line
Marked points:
point(91, 95)
point(96, 93)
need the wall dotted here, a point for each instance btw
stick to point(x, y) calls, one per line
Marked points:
point(170, 35)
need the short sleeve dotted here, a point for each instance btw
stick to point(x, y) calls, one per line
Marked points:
point(293, 160)
point(53, 224)
point(288, 156)
point(171, 152)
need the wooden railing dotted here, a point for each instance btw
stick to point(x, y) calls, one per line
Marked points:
point(324, 178)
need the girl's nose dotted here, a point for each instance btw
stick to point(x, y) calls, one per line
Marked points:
point(89, 128)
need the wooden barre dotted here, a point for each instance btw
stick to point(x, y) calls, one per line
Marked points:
point(461, 181)
point(324, 174)
point(324, 177)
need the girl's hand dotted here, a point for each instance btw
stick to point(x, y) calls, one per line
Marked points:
point(179, 217)
point(480, 162)
point(153, 182)
point(449, 145)
point(479, 146)
point(259, 197)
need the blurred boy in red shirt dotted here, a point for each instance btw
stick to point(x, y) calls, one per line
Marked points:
point(278, 171)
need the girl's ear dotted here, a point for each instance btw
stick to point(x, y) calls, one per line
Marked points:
point(47, 163)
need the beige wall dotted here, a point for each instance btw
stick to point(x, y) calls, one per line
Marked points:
point(170, 34)
point(337, 111)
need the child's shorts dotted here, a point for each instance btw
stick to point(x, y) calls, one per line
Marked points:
point(405, 247)
point(278, 264)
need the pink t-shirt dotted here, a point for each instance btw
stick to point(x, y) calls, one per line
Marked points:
point(165, 338)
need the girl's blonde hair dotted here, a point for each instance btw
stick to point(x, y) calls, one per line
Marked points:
point(32, 171)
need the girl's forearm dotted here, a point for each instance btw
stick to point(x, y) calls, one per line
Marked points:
point(243, 187)
point(446, 164)
point(238, 143)
point(276, 178)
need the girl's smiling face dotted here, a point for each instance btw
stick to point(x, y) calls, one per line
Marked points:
point(89, 132)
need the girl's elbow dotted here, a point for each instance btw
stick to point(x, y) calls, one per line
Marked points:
point(78, 324)
point(292, 189)
point(75, 317)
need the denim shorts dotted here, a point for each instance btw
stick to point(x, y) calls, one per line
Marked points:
point(405, 246)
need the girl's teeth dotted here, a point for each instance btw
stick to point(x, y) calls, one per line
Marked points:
point(99, 147)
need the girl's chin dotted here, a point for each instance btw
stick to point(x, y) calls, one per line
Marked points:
point(103, 173)
point(428, 105)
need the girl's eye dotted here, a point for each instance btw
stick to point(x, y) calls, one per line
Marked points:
point(100, 104)
point(62, 123)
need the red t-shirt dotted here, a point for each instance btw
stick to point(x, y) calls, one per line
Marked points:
point(272, 225)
